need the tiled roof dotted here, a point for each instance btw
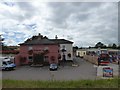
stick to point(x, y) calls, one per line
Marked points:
point(37, 42)
point(61, 41)
point(47, 42)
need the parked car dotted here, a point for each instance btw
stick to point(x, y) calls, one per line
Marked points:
point(7, 64)
point(53, 67)
point(103, 59)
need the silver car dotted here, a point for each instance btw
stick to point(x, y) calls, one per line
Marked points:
point(53, 67)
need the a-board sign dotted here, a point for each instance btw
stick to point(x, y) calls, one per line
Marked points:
point(107, 72)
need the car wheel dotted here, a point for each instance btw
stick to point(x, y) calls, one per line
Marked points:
point(51, 69)
point(11, 68)
point(7, 69)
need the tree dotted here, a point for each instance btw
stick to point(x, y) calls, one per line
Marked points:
point(76, 47)
point(114, 46)
point(1, 39)
point(2, 45)
point(89, 47)
point(100, 45)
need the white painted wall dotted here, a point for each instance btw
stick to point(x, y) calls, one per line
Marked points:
point(80, 53)
point(115, 70)
point(69, 49)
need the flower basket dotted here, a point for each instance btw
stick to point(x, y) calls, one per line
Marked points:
point(30, 52)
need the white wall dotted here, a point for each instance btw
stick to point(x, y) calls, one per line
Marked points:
point(69, 49)
point(80, 53)
point(115, 70)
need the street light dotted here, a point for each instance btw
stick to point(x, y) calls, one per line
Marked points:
point(63, 51)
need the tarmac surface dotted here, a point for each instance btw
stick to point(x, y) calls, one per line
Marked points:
point(84, 70)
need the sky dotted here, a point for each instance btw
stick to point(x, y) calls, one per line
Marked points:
point(84, 23)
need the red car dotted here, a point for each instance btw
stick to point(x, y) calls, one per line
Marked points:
point(103, 59)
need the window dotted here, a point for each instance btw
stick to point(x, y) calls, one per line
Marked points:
point(46, 48)
point(84, 53)
point(30, 58)
point(69, 55)
point(59, 56)
point(78, 53)
point(4, 63)
point(52, 58)
point(46, 58)
point(9, 62)
point(30, 48)
point(30, 52)
point(63, 47)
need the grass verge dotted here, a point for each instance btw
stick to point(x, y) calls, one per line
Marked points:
point(106, 83)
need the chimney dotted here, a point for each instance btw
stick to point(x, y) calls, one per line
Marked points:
point(39, 34)
point(39, 37)
point(56, 37)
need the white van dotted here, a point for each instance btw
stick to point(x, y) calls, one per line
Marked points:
point(6, 64)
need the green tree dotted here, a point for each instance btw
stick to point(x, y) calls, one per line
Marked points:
point(114, 46)
point(76, 47)
point(2, 45)
point(1, 39)
point(100, 45)
point(89, 47)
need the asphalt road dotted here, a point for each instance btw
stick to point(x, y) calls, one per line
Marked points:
point(85, 70)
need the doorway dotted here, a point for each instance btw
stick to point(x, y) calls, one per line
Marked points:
point(38, 59)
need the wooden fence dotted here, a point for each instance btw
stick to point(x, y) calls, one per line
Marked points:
point(92, 59)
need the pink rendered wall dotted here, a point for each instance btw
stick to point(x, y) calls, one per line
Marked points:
point(53, 51)
point(17, 61)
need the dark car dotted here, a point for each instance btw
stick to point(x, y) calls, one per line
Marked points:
point(53, 67)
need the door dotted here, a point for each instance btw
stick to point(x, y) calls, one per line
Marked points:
point(38, 59)
point(64, 57)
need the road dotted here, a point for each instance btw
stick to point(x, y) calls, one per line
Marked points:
point(85, 70)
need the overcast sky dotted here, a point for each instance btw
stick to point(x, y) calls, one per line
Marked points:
point(84, 23)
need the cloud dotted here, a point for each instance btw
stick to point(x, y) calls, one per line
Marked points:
point(62, 11)
point(84, 23)
point(10, 4)
point(27, 10)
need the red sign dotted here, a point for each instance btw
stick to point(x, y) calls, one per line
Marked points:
point(107, 72)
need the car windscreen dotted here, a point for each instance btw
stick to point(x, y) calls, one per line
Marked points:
point(9, 62)
point(53, 65)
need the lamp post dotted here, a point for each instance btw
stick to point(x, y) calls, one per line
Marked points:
point(63, 56)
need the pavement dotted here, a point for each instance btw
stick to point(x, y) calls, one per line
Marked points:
point(83, 70)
